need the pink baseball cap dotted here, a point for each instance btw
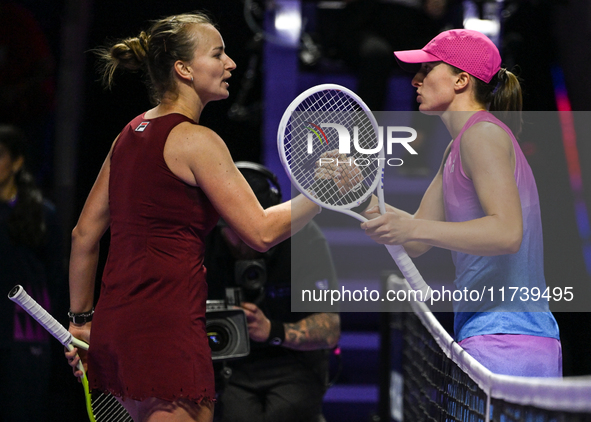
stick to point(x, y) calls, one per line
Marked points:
point(468, 50)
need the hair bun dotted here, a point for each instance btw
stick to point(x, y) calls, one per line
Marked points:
point(144, 40)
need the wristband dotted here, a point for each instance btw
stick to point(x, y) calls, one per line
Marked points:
point(276, 334)
point(363, 206)
point(82, 317)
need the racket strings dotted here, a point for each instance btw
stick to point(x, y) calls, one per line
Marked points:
point(106, 408)
point(348, 178)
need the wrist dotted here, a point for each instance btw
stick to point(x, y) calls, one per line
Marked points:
point(363, 206)
point(276, 333)
point(414, 233)
point(80, 318)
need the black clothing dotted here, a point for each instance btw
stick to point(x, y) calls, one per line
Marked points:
point(274, 383)
point(27, 351)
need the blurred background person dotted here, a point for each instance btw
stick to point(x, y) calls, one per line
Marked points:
point(31, 254)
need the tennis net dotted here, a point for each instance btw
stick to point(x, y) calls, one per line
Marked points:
point(441, 382)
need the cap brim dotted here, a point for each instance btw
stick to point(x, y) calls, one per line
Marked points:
point(410, 60)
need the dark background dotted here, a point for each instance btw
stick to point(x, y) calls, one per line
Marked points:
point(539, 35)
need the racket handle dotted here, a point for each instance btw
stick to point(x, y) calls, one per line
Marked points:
point(409, 271)
point(20, 296)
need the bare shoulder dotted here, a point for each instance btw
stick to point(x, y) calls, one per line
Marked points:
point(191, 136)
point(485, 135)
point(484, 146)
point(192, 150)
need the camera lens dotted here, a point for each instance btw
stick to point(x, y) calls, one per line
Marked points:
point(218, 337)
point(252, 273)
point(227, 332)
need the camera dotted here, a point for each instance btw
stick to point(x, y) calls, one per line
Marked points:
point(250, 275)
point(226, 327)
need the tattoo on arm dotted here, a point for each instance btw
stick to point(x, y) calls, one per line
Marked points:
point(317, 331)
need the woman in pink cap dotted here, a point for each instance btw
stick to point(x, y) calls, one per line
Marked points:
point(482, 205)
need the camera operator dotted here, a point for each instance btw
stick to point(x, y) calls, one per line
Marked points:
point(285, 376)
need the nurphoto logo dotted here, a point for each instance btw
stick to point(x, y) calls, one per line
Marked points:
point(318, 134)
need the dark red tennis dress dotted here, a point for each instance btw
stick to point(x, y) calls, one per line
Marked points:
point(148, 335)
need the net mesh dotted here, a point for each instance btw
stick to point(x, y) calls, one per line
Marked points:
point(441, 382)
point(508, 412)
point(436, 388)
point(106, 408)
point(324, 123)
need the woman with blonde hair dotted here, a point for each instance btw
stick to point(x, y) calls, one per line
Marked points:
point(162, 188)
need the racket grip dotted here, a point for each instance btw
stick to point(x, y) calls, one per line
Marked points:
point(20, 296)
point(410, 272)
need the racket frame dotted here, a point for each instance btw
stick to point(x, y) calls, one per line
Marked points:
point(378, 180)
point(397, 252)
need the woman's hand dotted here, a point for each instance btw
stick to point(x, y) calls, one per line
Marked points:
point(391, 228)
point(341, 169)
point(81, 332)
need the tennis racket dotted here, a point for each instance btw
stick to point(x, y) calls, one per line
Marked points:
point(334, 111)
point(101, 407)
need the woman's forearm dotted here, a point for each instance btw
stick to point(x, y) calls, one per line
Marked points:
point(486, 236)
point(83, 266)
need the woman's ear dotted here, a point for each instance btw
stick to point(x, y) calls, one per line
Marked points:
point(183, 71)
point(462, 81)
